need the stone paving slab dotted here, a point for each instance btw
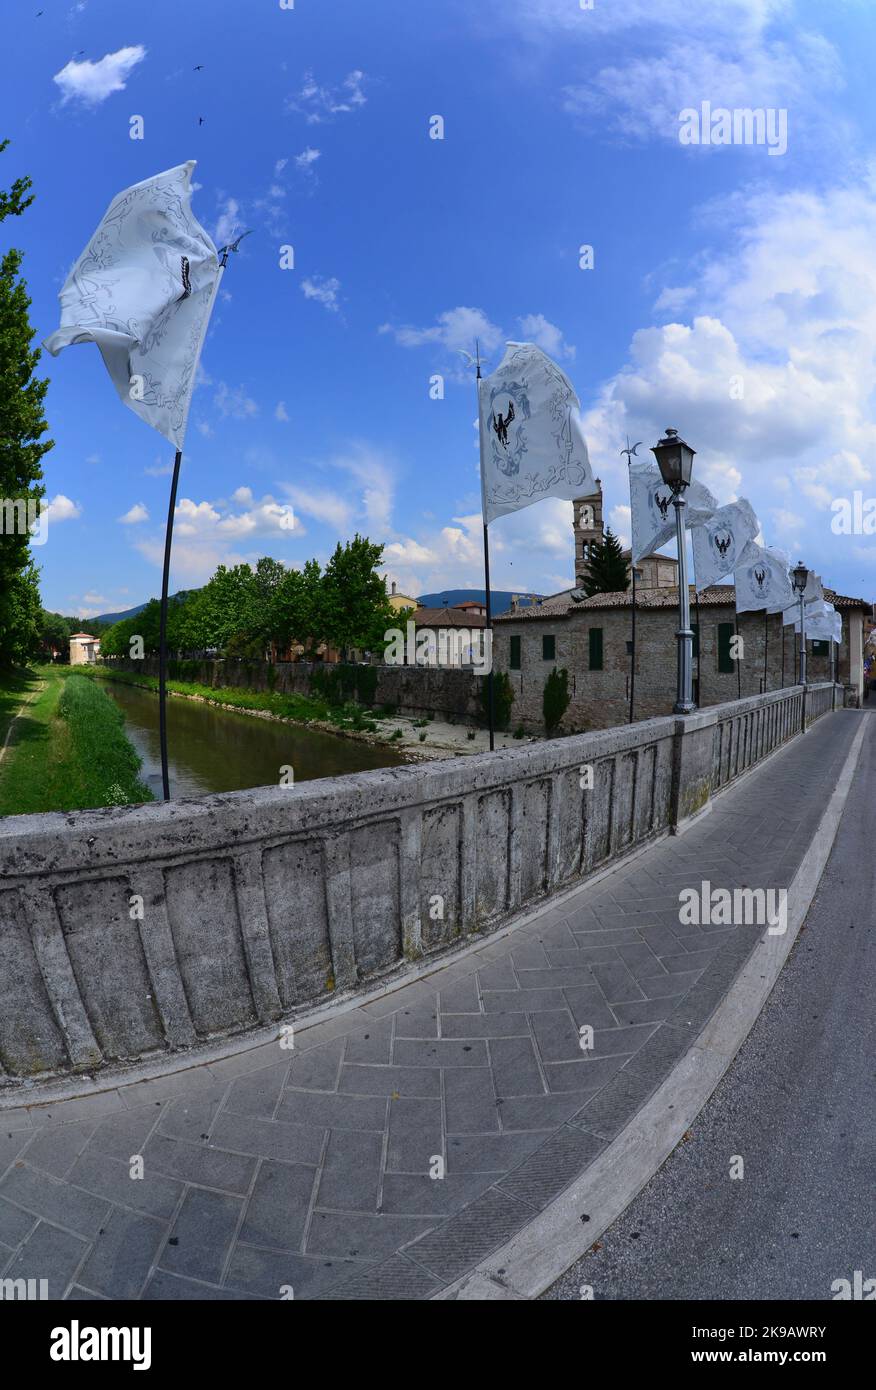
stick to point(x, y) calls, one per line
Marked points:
point(404, 1140)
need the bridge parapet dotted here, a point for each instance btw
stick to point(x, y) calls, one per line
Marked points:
point(135, 932)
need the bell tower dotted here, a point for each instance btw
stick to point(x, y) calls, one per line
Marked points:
point(587, 526)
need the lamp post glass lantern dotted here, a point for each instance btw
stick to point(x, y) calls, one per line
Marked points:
point(801, 578)
point(675, 461)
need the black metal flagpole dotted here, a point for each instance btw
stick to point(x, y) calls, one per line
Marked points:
point(165, 576)
point(491, 712)
point(162, 631)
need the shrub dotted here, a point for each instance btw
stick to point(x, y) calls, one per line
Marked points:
point(422, 738)
point(503, 698)
point(470, 735)
point(556, 699)
point(520, 732)
point(399, 733)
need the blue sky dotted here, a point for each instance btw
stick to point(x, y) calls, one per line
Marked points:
point(712, 266)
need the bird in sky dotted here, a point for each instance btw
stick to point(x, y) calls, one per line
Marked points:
point(198, 68)
point(200, 120)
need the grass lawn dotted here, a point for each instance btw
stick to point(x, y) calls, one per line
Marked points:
point(68, 750)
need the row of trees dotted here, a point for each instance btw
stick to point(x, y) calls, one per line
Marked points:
point(22, 425)
point(246, 612)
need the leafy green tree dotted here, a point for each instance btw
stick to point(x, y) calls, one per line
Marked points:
point(356, 608)
point(555, 700)
point(607, 571)
point(23, 611)
point(22, 424)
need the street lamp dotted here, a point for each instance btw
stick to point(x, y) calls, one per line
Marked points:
point(800, 578)
point(675, 461)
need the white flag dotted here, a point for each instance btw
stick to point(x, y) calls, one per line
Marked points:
point(142, 290)
point(812, 609)
point(761, 579)
point(532, 443)
point(719, 542)
point(652, 511)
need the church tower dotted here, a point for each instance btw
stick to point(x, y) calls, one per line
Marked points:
point(587, 526)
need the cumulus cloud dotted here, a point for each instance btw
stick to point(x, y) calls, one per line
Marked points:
point(453, 329)
point(209, 533)
point(134, 515)
point(91, 83)
point(61, 508)
point(535, 328)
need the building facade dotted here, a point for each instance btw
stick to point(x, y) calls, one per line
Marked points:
point(84, 649)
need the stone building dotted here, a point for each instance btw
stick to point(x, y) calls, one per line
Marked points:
point(592, 639)
point(652, 571)
point(84, 649)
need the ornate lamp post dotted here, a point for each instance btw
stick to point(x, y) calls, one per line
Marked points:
point(800, 576)
point(675, 460)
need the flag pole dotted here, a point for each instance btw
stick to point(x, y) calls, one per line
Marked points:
point(162, 630)
point(630, 452)
point(168, 541)
point(491, 711)
point(766, 639)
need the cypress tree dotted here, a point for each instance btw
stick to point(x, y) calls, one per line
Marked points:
point(607, 570)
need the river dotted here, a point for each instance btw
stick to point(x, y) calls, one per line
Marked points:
point(217, 750)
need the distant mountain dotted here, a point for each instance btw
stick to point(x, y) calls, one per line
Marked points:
point(132, 612)
point(500, 599)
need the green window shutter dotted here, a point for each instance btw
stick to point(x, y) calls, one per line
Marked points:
point(820, 648)
point(514, 660)
point(726, 663)
point(548, 648)
point(595, 636)
point(695, 628)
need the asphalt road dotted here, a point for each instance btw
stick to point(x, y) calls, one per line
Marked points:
point(798, 1105)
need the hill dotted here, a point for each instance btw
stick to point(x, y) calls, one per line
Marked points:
point(448, 598)
point(132, 612)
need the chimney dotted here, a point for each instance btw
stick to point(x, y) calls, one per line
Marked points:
point(393, 586)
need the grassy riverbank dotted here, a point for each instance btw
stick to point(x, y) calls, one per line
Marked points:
point(68, 750)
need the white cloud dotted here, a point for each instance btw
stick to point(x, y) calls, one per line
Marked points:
point(203, 427)
point(280, 412)
point(134, 514)
point(61, 508)
point(206, 531)
point(91, 83)
point(159, 469)
point(325, 292)
point(227, 222)
point(319, 104)
point(323, 506)
point(454, 329)
point(233, 402)
point(535, 328)
point(305, 161)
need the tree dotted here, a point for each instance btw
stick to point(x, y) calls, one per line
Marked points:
point(356, 609)
point(503, 698)
point(607, 570)
point(21, 425)
point(555, 700)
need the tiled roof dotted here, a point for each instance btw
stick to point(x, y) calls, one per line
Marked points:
point(717, 596)
point(447, 617)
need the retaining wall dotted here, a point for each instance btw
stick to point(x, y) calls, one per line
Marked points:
point(129, 932)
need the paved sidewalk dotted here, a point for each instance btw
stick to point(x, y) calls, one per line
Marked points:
point(313, 1169)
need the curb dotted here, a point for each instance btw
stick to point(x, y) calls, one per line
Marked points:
point(538, 1255)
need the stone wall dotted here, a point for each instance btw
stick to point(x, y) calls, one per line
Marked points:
point(413, 690)
point(141, 931)
point(602, 698)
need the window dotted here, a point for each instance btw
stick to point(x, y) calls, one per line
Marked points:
point(548, 648)
point(821, 649)
point(726, 663)
point(695, 629)
point(514, 658)
point(595, 636)
point(629, 649)
point(637, 575)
